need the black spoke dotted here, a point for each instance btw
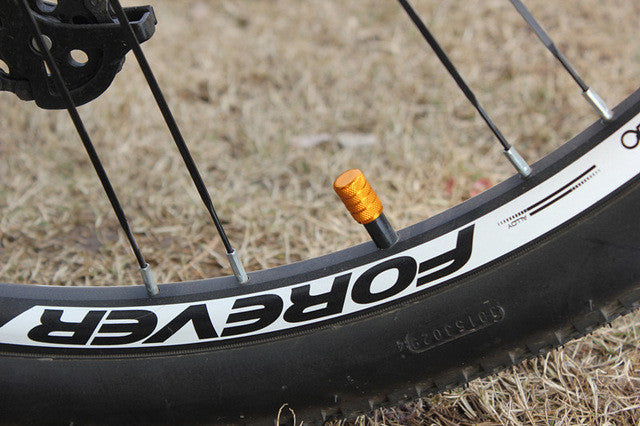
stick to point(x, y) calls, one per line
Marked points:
point(514, 157)
point(593, 98)
point(134, 44)
point(88, 144)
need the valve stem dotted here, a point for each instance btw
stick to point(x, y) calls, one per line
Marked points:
point(366, 208)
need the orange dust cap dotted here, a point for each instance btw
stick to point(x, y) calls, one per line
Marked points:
point(356, 193)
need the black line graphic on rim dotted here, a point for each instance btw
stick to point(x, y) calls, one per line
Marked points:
point(551, 199)
point(631, 138)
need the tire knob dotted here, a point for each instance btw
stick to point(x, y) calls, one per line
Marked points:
point(364, 205)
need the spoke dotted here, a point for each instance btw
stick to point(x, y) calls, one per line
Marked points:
point(509, 151)
point(134, 44)
point(41, 42)
point(592, 97)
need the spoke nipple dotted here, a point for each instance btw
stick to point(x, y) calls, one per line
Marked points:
point(48, 44)
point(149, 280)
point(236, 266)
point(518, 162)
point(364, 205)
point(598, 104)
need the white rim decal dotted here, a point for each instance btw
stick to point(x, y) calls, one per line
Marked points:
point(571, 191)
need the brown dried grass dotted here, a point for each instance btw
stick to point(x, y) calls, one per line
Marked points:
point(248, 78)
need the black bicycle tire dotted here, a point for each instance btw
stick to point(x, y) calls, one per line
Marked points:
point(351, 363)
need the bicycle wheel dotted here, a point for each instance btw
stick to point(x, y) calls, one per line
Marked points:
point(461, 295)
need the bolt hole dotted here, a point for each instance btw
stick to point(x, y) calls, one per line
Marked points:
point(4, 68)
point(47, 43)
point(78, 58)
point(47, 6)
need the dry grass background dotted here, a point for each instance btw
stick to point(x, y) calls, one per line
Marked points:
point(250, 80)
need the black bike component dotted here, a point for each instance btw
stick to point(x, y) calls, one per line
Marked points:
point(33, 28)
point(171, 122)
point(85, 41)
point(453, 71)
